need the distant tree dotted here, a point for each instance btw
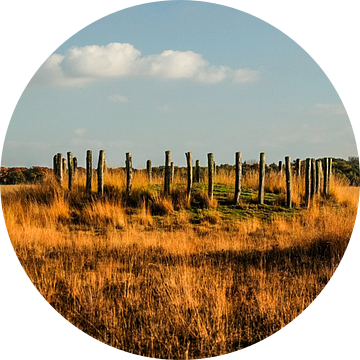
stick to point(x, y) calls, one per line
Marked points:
point(348, 169)
point(353, 159)
point(16, 177)
point(3, 175)
point(35, 174)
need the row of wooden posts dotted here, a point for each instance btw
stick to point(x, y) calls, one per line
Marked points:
point(315, 170)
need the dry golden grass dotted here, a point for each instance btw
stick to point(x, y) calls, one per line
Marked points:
point(164, 286)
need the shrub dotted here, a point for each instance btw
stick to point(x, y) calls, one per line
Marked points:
point(201, 200)
point(160, 206)
point(211, 217)
point(179, 199)
point(102, 213)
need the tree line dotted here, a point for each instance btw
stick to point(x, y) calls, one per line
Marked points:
point(23, 175)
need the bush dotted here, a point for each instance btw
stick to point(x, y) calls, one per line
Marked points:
point(210, 217)
point(16, 177)
point(160, 206)
point(201, 200)
point(179, 199)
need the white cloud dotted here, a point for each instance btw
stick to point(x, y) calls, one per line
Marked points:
point(245, 75)
point(163, 108)
point(118, 98)
point(112, 60)
point(51, 73)
point(85, 64)
point(172, 64)
point(80, 131)
point(330, 109)
point(213, 74)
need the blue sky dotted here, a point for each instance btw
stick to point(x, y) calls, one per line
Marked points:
point(184, 76)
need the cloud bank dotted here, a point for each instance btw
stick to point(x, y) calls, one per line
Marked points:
point(81, 65)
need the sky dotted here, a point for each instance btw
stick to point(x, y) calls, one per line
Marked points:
point(180, 76)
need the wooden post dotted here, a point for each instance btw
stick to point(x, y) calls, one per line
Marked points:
point(149, 170)
point(197, 171)
point(55, 165)
point(298, 167)
point(172, 172)
point(167, 172)
point(100, 172)
point(313, 178)
point(70, 170)
point(329, 174)
point(215, 171)
point(189, 173)
point(280, 167)
point(238, 170)
point(261, 178)
point(288, 181)
point(88, 171)
point(75, 163)
point(307, 182)
point(60, 168)
point(326, 176)
point(128, 163)
point(64, 165)
point(318, 176)
point(210, 157)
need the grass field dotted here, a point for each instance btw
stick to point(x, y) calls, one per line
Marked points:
point(178, 278)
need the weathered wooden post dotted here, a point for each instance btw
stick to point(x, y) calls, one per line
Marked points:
point(210, 157)
point(129, 172)
point(75, 163)
point(189, 173)
point(55, 165)
point(318, 176)
point(307, 182)
point(197, 171)
point(215, 171)
point(88, 171)
point(100, 172)
point(60, 168)
point(238, 170)
point(261, 178)
point(70, 170)
point(288, 181)
point(329, 174)
point(149, 170)
point(167, 172)
point(298, 167)
point(326, 176)
point(64, 165)
point(172, 172)
point(281, 167)
point(313, 178)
